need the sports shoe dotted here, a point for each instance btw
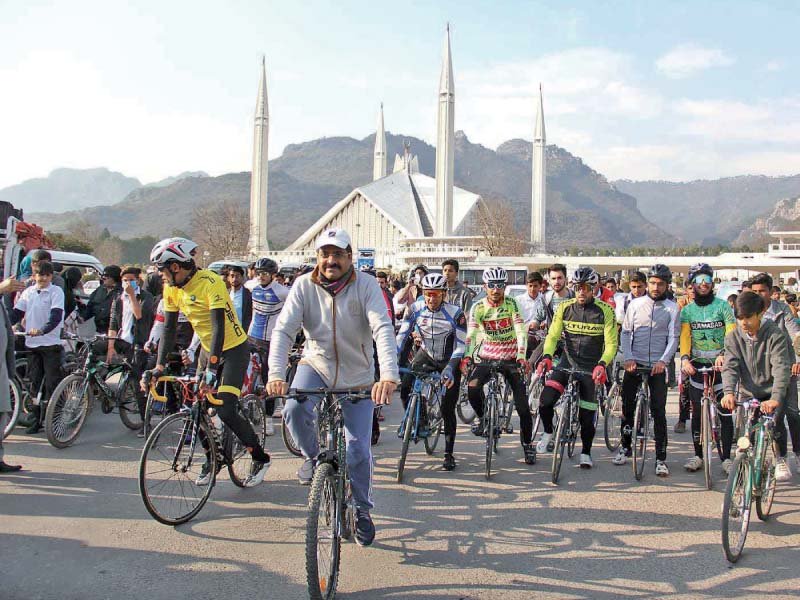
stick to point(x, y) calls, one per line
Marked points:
point(680, 427)
point(530, 454)
point(544, 443)
point(662, 470)
point(269, 427)
point(257, 471)
point(205, 475)
point(449, 462)
point(694, 464)
point(365, 528)
point(622, 456)
point(727, 465)
point(478, 428)
point(306, 472)
point(586, 461)
point(782, 470)
point(797, 459)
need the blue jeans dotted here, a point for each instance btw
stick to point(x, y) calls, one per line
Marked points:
point(301, 420)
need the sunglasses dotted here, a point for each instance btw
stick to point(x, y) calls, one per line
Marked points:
point(496, 285)
point(700, 279)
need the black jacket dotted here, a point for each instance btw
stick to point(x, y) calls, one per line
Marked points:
point(247, 308)
point(141, 330)
point(99, 307)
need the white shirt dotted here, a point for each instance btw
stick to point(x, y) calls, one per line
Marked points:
point(37, 304)
point(128, 319)
point(532, 308)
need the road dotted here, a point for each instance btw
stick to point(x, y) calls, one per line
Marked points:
point(73, 526)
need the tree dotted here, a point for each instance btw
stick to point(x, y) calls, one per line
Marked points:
point(221, 229)
point(495, 221)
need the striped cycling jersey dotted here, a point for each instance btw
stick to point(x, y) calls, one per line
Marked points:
point(496, 332)
point(267, 304)
point(443, 331)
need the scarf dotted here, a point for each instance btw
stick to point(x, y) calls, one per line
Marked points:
point(334, 287)
point(703, 300)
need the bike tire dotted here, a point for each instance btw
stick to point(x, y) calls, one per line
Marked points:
point(435, 426)
point(240, 460)
point(490, 417)
point(464, 409)
point(288, 440)
point(639, 445)
point(322, 533)
point(408, 426)
point(155, 411)
point(171, 438)
point(560, 444)
point(67, 411)
point(534, 394)
point(573, 430)
point(736, 509)
point(507, 411)
point(716, 433)
point(768, 484)
point(612, 419)
point(15, 395)
point(128, 403)
point(706, 441)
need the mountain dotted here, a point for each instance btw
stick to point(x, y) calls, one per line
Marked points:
point(170, 180)
point(70, 189)
point(309, 178)
point(710, 212)
point(785, 216)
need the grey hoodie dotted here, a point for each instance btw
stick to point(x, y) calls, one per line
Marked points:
point(461, 296)
point(761, 366)
point(781, 315)
point(339, 332)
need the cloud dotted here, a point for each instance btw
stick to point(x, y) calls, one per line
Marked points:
point(762, 122)
point(774, 66)
point(689, 59)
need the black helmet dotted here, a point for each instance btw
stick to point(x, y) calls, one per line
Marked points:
point(585, 275)
point(699, 269)
point(661, 272)
point(266, 264)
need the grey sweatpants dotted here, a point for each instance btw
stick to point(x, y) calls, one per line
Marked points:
point(301, 420)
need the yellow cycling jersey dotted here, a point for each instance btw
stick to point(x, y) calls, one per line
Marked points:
point(196, 299)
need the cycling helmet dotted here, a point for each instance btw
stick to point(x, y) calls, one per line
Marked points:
point(585, 275)
point(176, 249)
point(266, 264)
point(433, 281)
point(699, 269)
point(495, 274)
point(661, 272)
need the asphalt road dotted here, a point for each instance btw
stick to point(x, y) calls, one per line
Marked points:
point(72, 525)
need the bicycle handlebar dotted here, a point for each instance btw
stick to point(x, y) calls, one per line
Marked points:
point(421, 374)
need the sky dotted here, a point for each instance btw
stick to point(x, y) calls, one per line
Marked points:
point(676, 90)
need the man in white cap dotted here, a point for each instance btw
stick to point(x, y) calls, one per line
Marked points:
point(341, 311)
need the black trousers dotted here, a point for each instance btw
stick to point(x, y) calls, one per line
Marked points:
point(695, 397)
point(553, 389)
point(658, 409)
point(45, 363)
point(480, 375)
point(262, 348)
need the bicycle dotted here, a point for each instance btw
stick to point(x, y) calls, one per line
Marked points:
point(427, 391)
point(752, 477)
point(15, 395)
point(642, 421)
point(464, 409)
point(291, 370)
point(506, 408)
point(710, 425)
point(568, 422)
point(491, 423)
point(171, 454)
point(612, 414)
point(331, 509)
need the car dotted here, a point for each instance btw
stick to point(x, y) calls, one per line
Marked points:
point(218, 265)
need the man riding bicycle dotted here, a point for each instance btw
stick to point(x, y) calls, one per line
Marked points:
point(497, 332)
point(442, 330)
point(649, 339)
point(202, 297)
point(590, 344)
point(341, 312)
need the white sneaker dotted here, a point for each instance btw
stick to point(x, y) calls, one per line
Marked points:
point(269, 429)
point(727, 465)
point(662, 470)
point(306, 472)
point(257, 472)
point(694, 464)
point(621, 458)
point(586, 461)
point(782, 470)
point(541, 447)
point(205, 475)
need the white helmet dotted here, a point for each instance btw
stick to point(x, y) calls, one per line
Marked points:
point(495, 274)
point(433, 281)
point(176, 249)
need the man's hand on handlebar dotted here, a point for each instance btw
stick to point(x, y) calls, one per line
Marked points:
point(382, 392)
point(148, 376)
point(769, 406)
point(728, 402)
point(277, 387)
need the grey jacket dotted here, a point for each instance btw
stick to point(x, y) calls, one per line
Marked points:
point(781, 315)
point(650, 330)
point(8, 372)
point(461, 296)
point(761, 366)
point(339, 332)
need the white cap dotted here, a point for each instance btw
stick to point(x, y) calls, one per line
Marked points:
point(333, 237)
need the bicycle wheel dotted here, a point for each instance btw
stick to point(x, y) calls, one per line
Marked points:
point(288, 440)
point(612, 419)
point(239, 459)
point(435, 425)
point(464, 409)
point(534, 393)
point(572, 431)
point(16, 405)
point(408, 426)
point(507, 410)
point(490, 417)
point(768, 485)
point(641, 431)
point(323, 544)
point(128, 403)
point(155, 411)
point(67, 410)
point(170, 466)
point(560, 441)
point(706, 442)
point(736, 509)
